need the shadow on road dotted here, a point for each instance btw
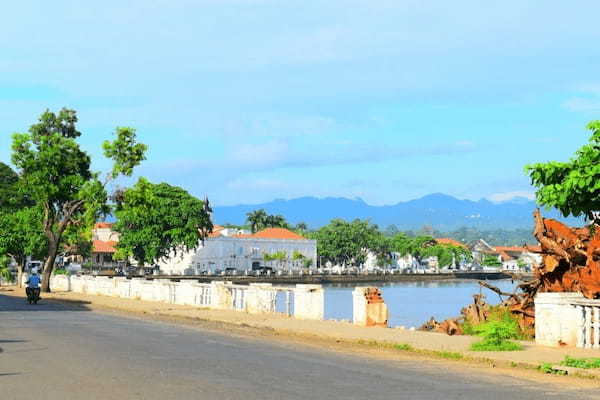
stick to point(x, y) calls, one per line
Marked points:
point(12, 303)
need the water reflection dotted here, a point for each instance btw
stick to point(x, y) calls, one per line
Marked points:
point(412, 303)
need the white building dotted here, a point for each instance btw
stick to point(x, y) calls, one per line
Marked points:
point(229, 249)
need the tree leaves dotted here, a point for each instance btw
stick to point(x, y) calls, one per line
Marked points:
point(571, 187)
point(155, 220)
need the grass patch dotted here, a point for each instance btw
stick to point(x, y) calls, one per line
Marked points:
point(547, 368)
point(450, 355)
point(493, 346)
point(403, 347)
point(585, 363)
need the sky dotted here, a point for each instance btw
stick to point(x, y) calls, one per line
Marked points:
point(246, 101)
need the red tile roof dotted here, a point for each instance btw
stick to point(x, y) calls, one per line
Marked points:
point(104, 247)
point(277, 233)
point(450, 241)
point(101, 225)
point(216, 232)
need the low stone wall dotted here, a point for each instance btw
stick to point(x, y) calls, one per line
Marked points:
point(567, 319)
point(256, 298)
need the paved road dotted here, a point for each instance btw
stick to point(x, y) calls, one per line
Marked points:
point(53, 351)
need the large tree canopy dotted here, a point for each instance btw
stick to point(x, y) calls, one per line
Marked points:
point(573, 187)
point(346, 243)
point(57, 177)
point(156, 219)
point(21, 231)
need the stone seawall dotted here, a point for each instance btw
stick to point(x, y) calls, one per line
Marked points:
point(325, 279)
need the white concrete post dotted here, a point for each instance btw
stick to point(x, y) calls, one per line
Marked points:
point(368, 307)
point(260, 298)
point(309, 302)
point(221, 296)
point(558, 320)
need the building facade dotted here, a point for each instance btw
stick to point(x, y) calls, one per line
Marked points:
point(241, 251)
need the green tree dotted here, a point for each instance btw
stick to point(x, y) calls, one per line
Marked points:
point(301, 227)
point(345, 243)
point(57, 176)
point(154, 220)
point(573, 187)
point(256, 219)
point(276, 221)
point(419, 246)
point(8, 187)
point(382, 248)
point(448, 255)
point(22, 236)
point(20, 222)
point(491, 261)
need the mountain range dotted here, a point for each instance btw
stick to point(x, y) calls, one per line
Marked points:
point(440, 211)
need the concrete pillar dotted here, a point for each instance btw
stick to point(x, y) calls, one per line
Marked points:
point(368, 307)
point(221, 297)
point(309, 302)
point(260, 298)
point(558, 322)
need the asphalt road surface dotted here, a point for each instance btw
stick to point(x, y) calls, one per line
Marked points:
point(54, 351)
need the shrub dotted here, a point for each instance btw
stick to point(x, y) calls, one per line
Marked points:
point(497, 332)
point(60, 271)
point(586, 363)
point(5, 274)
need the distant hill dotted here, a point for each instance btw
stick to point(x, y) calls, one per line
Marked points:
point(440, 211)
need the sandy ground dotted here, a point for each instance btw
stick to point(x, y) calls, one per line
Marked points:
point(333, 335)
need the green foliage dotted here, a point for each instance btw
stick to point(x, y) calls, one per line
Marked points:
point(422, 247)
point(9, 193)
point(585, 363)
point(156, 219)
point(403, 347)
point(307, 263)
point(20, 220)
point(549, 369)
point(493, 346)
point(5, 274)
point(449, 355)
point(60, 271)
point(296, 255)
point(56, 176)
point(491, 261)
point(277, 256)
point(572, 187)
point(346, 243)
point(448, 255)
point(301, 226)
point(497, 332)
point(124, 151)
point(259, 219)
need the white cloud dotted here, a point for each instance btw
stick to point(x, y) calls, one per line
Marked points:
point(505, 196)
point(587, 100)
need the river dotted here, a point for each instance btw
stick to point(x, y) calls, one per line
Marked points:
point(413, 303)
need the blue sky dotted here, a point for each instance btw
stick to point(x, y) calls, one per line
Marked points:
point(250, 100)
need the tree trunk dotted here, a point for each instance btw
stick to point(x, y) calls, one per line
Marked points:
point(20, 269)
point(49, 265)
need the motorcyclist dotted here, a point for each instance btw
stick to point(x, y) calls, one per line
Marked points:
point(33, 283)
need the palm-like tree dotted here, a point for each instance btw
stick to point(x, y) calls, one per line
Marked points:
point(301, 226)
point(257, 219)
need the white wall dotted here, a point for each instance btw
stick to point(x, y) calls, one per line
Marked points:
point(258, 298)
point(239, 253)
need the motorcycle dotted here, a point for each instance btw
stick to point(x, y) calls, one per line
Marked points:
point(33, 295)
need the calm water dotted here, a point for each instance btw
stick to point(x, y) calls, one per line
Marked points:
point(413, 303)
